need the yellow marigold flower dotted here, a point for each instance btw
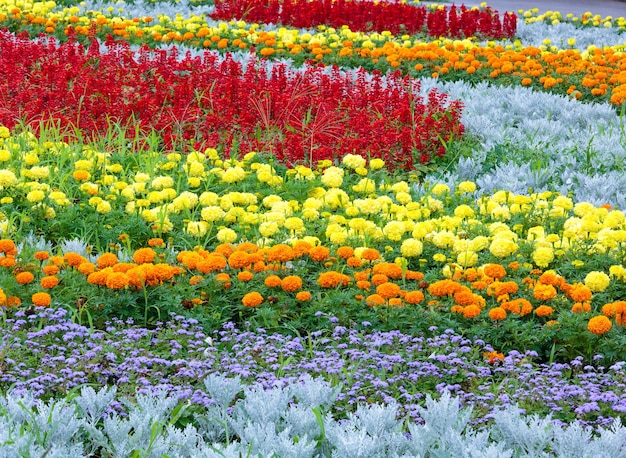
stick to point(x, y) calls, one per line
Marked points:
point(466, 186)
point(253, 299)
point(502, 247)
point(411, 247)
point(353, 161)
point(377, 164)
point(41, 299)
point(599, 325)
point(597, 281)
point(543, 256)
point(227, 235)
point(467, 258)
point(440, 189)
point(7, 178)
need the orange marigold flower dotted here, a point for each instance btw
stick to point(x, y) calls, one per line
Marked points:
point(363, 284)
point(13, 301)
point(514, 265)
point(379, 279)
point(550, 278)
point(388, 290)
point(280, 253)
point(614, 308)
point(50, 270)
point(41, 299)
point(253, 299)
point(395, 302)
point(239, 260)
point(123, 266)
point(319, 253)
point(116, 280)
point(544, 292)
point(457, 309)
point(224, 279)
point(345, 252)
point(41, 255)
point(156, 242)
point(224, 249)
point(272, 281)
point(374, 300)
point(291, 283)
point(471, 311)
point(493, 357)
point(464, 296)
point(497, 314)
point(106, 260)
point(7, 261)
point(599, 325)
point(74, 259)
point(99, 277)
point(300, 248)
point(49, 281)
point(544, 310)
point(86, 268)
point(245, 276)
point(498, 288)
point(354, 262)
point(392, 270)
point(81, 175)
point(495, 271)
point(332, 279)
point(7, 246)
point(211, 263)
point(443, 288)
point(578, 308)
point(413, 275)
point(580, 292)
point(370, 254)
point(303, 296)
point(24, 278)
point(248, 247)
point(413, 297)
point(362, 275)
point(196, 280)
point(480, 285)
point(144, 255)
point(56, 261)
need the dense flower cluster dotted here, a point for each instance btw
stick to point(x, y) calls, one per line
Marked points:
point(186, 100)
point(398, 18)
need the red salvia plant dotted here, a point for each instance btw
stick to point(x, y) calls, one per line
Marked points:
point(300, 116)
point(364, 16)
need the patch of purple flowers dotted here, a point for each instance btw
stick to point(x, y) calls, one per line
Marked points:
point(48, 355)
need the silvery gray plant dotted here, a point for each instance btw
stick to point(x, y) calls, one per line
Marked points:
point(281, 422)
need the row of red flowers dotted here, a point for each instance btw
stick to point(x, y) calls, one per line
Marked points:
point(298, 116)
point(396, 17)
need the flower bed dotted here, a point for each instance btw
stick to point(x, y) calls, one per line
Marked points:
point(282, 224)
point(398, 18)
